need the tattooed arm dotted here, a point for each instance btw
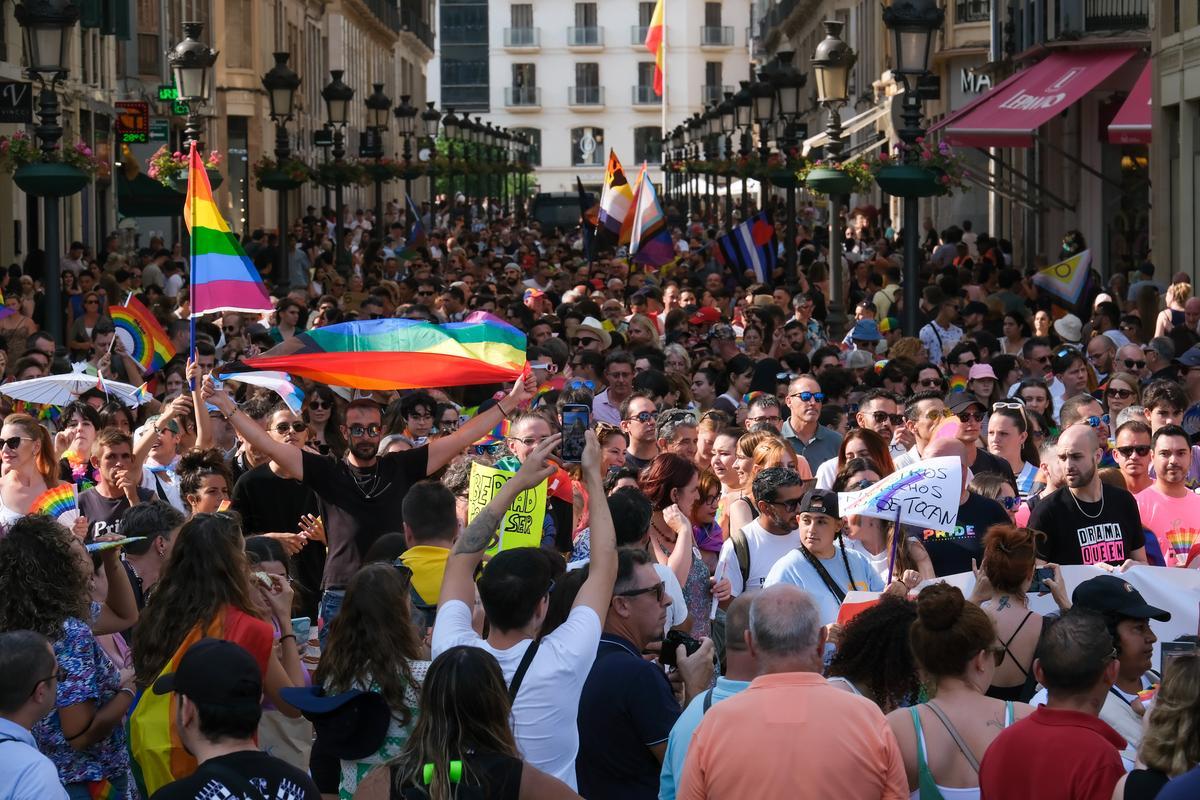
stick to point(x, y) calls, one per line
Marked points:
point(458, 582)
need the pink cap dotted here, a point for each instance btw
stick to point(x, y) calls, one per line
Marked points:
point(981, 371)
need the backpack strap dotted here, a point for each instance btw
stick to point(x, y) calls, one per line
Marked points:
point(958, 740)
point(522, 668)
point(741, 551)
point(838, 592)
point(708, 700)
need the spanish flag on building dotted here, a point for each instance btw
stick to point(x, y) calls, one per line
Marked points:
point(654, 43)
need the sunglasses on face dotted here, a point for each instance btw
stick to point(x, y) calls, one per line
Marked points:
point(1010, 503)
point(969, 362)
point(1095, 421)
point(643, 416)
point(971, 416)
point(930, 383)
point(1128, 450)
point(583, 341)
point(14, 442)
point(450, 424)
point(657, 589)
point(318, 405)
point(488, 449)
point(1120, 394)
point(581, 384)
point(1043, 359)
point(880, 417)
point(788, 505)
point(296, 427)
point(1133, 364)
point(358, 431)
point(809, 397)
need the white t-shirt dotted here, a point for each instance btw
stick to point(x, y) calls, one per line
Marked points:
point(827, 474)
point(765, 549)
point(543, 716)
point(878, 562)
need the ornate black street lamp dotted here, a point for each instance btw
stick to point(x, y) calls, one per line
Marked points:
point(191, 64)
point(337, 96)
point(281, 83)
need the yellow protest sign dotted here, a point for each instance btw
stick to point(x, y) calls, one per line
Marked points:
point(522, 522)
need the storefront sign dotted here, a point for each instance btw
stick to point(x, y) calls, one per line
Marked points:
point(973, 83)
point(160, 130)
point(16, 102)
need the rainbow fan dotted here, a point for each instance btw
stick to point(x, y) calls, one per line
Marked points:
point(55, 502)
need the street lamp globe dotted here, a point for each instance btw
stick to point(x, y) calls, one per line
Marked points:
point(728, 113)
point(450, 123)
point(832, 63)
point(406, 115)
point(47, 26)
point(191, 64)
point(281, 83)
point(913, 23)
point(743, 105)
point(430, 118)
point(379, 107)
point(762, 95)
point(337, 97)
point(789, 86)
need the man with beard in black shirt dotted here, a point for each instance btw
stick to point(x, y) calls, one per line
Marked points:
point(1087, 521)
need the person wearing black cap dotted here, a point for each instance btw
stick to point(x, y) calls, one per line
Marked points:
point(822, 565)
point(1127, 616)
point(219, 691)
point(970, 411)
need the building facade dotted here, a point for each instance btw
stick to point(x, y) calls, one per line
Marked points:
point(577, 79)
point(1175, 146)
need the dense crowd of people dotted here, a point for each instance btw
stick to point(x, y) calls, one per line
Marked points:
point(263, 602)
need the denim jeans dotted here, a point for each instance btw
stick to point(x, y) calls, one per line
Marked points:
point(331, 604)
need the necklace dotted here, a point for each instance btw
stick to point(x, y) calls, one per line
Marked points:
point(665, 538)
point(368, 485)
point(1081, 511)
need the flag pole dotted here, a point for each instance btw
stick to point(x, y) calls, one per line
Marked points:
point(664, 69)
point(192, 266)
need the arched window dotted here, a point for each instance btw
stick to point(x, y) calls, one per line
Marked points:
point(587, 147)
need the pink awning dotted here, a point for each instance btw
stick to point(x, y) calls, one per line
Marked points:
point(1011, 113)
point(1131, 125)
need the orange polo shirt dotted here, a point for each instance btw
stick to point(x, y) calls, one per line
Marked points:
point(793, 735)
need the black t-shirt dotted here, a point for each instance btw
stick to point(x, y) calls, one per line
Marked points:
point(986, 462)
point(272, 778)
point(1078, 532)
point(271, 504)
point(951, 552)
point(103, 513)
point(488, 775)
point(359, 506)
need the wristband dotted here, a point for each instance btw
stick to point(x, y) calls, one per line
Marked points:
point(291, 636)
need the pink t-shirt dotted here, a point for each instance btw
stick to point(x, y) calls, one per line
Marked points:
point(1174, 521)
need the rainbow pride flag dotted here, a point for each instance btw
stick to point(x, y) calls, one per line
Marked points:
point(55, 502)
point(957, 384)
point(223, 277)
point(5, 311)
point(384, 354)
point(145, 340)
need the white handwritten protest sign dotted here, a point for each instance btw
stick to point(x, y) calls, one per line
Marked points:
point(924, 494)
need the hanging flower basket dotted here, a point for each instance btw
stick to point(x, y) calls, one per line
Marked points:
point(180, 182)
point(50, 179)
point(909, 180)
point(282, 176)
point(343, 173)
point(827, 180)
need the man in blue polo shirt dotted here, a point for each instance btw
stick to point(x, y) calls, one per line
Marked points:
point(27, 692)
point(741, 667)
point(628, 706)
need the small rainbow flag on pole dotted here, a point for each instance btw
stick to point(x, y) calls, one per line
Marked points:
point(223, 277)
point(145, 340)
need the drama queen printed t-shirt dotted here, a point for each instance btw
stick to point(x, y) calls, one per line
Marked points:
point(1088, 533)
point(1174, 521)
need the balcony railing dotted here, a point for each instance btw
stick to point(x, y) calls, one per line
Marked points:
point(972, 11)
point(386, 12)
point(637, 35)
point(645, 96)
point(585, 37)
point(714, 93)
point(412, 20)
point(522, 37)
point(585, 95)
point(716, 36)
point(1115, 15)
point(522, 96)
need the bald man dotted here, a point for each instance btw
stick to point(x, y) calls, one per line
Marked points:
point(1131, 359)
point(952, 551)
point(1087, 521)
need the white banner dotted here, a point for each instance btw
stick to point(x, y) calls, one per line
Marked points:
point(924, 494)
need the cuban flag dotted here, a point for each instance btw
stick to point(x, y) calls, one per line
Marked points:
point(751, 246)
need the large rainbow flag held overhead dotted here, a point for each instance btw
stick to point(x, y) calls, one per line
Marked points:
point(223, 277)
point(386, 354)
point(145, 340)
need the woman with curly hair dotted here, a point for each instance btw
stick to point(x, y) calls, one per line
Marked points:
point(463, 740)
point(873, 658)
point(954, 641)
point(206, 591)
point(204, 481)
point(46, 575)
point(1171, 744)
point(374, 646)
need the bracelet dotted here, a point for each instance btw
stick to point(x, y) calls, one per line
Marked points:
point(125, 689)
point(287, 636)
point(503, 413)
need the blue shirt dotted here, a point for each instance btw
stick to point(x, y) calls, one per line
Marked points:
point(795, 569)
point(626, 707)
point(681, 734)
point(823, 446)
point(1184, 787)
point(25, 774)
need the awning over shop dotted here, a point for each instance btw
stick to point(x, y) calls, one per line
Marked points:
point(849, 127)
point(1010, 114)
point(1131, 125)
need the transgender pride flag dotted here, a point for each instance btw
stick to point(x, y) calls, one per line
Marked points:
point(223, 278)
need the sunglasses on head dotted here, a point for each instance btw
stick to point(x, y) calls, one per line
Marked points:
point(1128, 450)
point(359, 431)
point(296, 427)
point(1008, 404)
